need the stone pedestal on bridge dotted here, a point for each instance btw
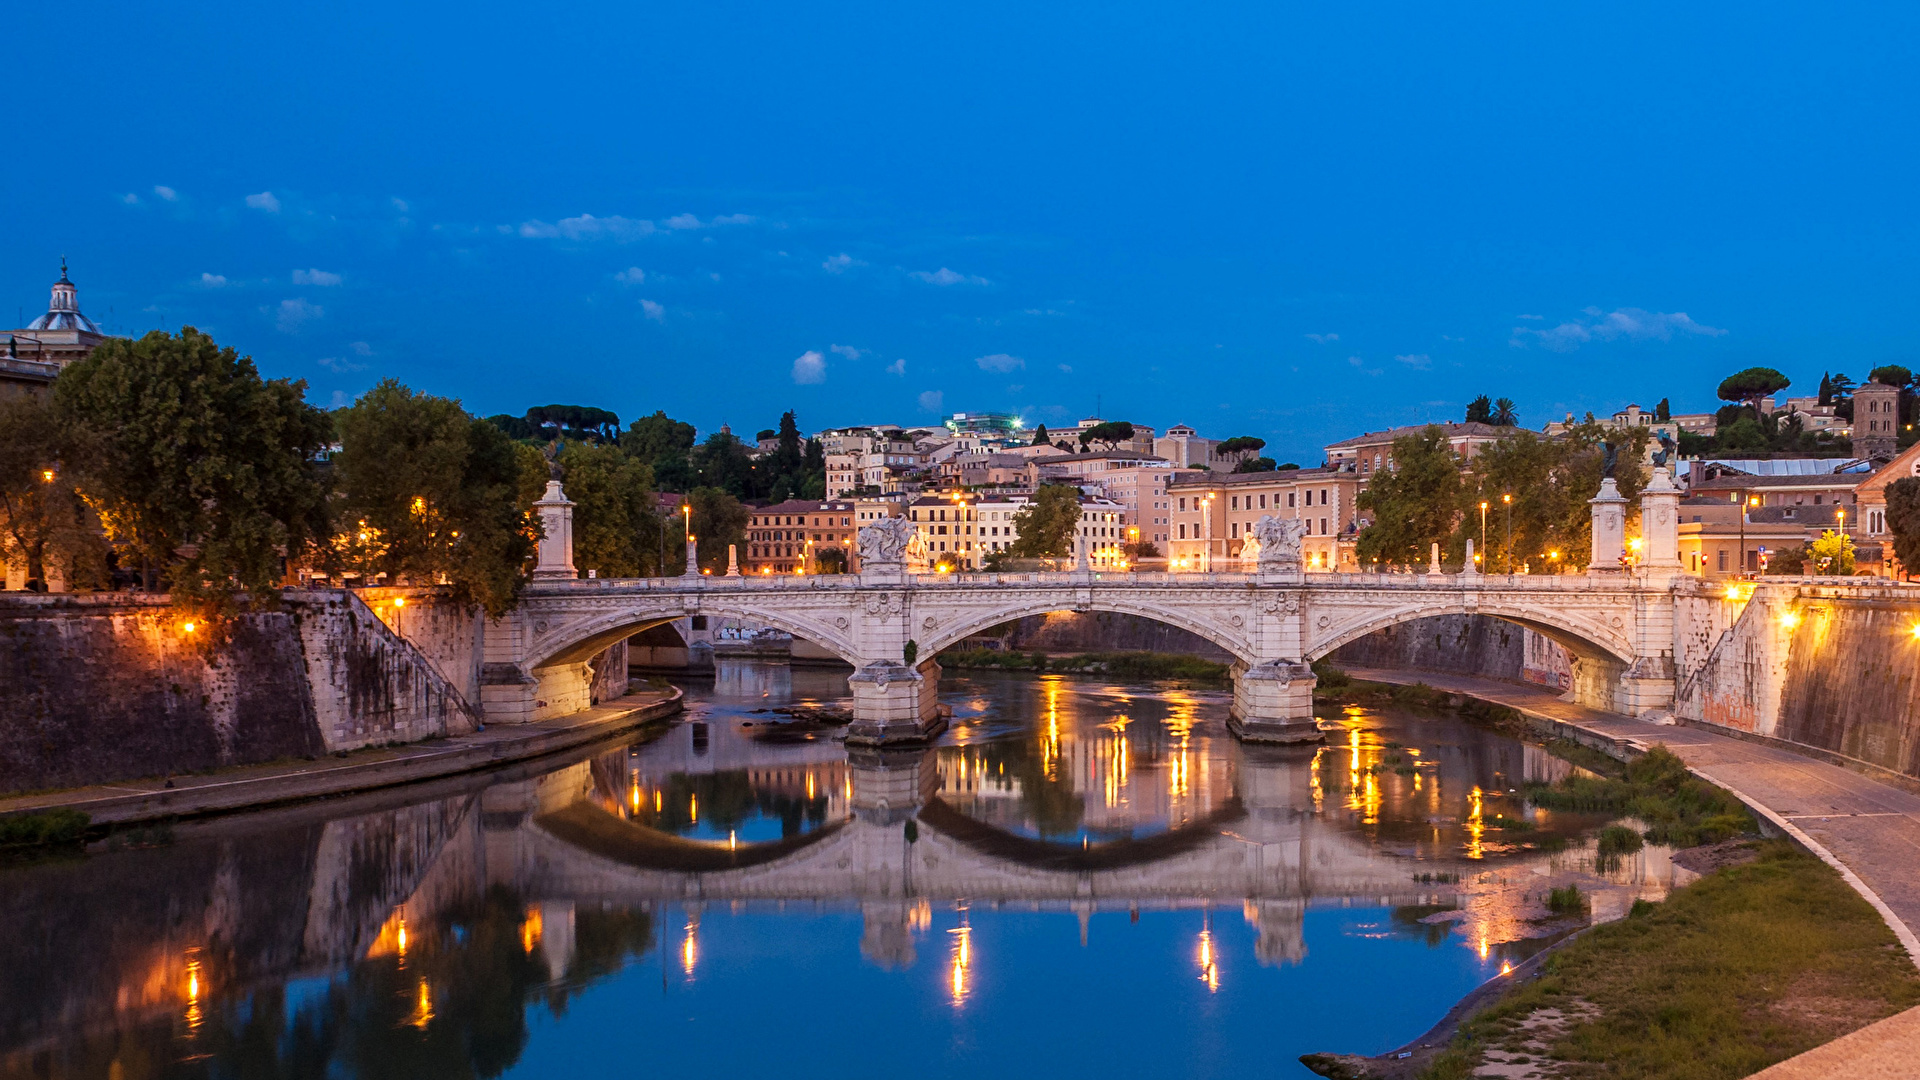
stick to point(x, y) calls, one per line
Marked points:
point(895, 704)
point(1273, 703)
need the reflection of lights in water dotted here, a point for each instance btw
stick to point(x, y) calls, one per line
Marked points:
point(1475, 829)
point(1370, 800)
point(920, 916)
point(733, 842)
point(195, 1016)
point(1506, 967)
point(659, 801)
point(693, 809)
point(532, 928)
point(422, 1006)
point(400, 938)
point(1483, 949)
point(1209, 965)
point(1313, 780)
point(809, 787)
point(962, 958)
point(690, 946)
point(1050, 742)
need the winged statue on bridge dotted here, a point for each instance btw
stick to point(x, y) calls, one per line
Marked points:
point(1276, 543)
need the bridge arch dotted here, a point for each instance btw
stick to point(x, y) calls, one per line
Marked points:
point(1580, 639)
point(577, 641)
point(956, 629)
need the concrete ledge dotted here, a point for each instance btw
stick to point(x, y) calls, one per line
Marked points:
point(251, 787)
point(1881, 1051)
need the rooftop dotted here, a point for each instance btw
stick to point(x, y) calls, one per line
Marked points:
point(1475, 429)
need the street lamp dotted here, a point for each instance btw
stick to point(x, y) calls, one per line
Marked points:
point(1206, 517)
point(1508, 499)
point(1750, 502)
point(1483, 531)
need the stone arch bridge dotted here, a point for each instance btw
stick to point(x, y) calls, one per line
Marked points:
point(1618, 622)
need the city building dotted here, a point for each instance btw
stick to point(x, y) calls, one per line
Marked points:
point(1870, 510)
point(36, 352)
point(1713, 538)
point(1369, 453)
point(796, 536)
point(1213, 514)
point(1142, 490)
point(1876, 421)
point(960, 531)
point(1184, 447)
point(870, 460)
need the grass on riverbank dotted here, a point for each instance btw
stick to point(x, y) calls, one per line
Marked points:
point(1679, 809)
point(1746, 967)
point(1126, 665)
point(43, 828)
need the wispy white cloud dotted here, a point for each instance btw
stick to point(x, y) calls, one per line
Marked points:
point(840, 264)
point(848, 351)
point(1322, 339)
point(315, 277)
point(999, 362)
point(689, 221)
point(130, 199)
point(164, 192)
point(809, 368)
point(1632, 324)
point(264, 201)
point(212, 281)
point(932, 400)
point(588, 227)
point(1066, 369)
point(360, 348)
point(944, 276)
point(400, 205)
point(1531, 316)
point(653, 311)
point(898, 367)
point(632, 275)
point(293, 314)
point(1355, 361)
point(1418, 360)
point(340, 365)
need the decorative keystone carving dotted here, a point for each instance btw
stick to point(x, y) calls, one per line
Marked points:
point(885, 605)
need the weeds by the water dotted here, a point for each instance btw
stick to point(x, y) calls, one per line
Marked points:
point(43, 828)
point(1748, 966)
point(1679, 809)
point(1567, 901)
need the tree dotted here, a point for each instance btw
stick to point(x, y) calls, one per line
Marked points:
point(1826, 389)
point(1040, 436)
point(1045, 527)
point(581, 422)
point(46, 527)
point(1831, 554)
point(651, 438)
point(1480, 410)
point(1112, 433)
point(1550, 481)
point(1247, 445)
point(830, 560)
point(1414, 503)
point(813, 471)
point(1751, 385)
point(1505, 414)
point(516, 427)
point(616, 529)
point(1255, 464)
point(1891, 375)
point(429, 493)
point(722, 462)
point(1663, 412)
point(198, 467)
point(1903, 521)
point(719, 519)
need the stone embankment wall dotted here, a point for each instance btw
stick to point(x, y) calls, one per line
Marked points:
point(1096, 631)
point(1826, 667)
point(1463, 645)
point(103, 687)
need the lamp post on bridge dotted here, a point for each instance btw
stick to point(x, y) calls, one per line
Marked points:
point(1508, 499)
point(1483, 529)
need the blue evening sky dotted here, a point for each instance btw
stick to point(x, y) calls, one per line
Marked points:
point(1297, 221)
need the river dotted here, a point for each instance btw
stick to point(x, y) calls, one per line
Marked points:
point(1080, 877)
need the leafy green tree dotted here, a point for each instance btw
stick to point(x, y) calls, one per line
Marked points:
point(1480, 410)
point(722, 462)
point(45, 526)
point(1112, 434)
point(1255, 464)
point(1550, 481)
point(1505, 413)
point(830, 560)
point(1414, 503)
point(581, 422)
point(1831, 554)
point(516, 427)
point(719, 519)
point(1903, 521)
point(813, 468)
point(1046, 526)
point(430, 493)
point(199, 468)
point(1240, 444)
point(1751, 385)
point(651, 438)
point(1663, 412)
point(1891, 375)
point(616, 529)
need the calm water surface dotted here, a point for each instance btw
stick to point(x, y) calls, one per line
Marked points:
point(1080, 878)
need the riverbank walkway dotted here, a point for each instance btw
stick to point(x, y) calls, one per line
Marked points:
point(1866, 829)
point(247, 787)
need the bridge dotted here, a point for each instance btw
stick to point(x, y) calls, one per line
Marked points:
point(1631, 630)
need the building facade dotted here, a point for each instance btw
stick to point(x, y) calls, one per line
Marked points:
point(802, 536)
point(1213, 514)
point(37, 352)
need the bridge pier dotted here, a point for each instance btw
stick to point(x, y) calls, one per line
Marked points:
point(894, 704)
point(1273, 703)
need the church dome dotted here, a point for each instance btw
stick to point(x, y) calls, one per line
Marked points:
point(63, 312)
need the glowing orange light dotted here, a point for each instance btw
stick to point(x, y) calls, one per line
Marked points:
point(46, 476)
point(189, 626)
point(399, 601)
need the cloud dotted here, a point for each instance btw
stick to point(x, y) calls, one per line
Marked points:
point(1066, 369)
point(212, 281)
point(840, 264)
point(999, 362)
point(1322, 339)
point(315, 277)
point(1533, 316)
point(165, 192)
point(847, 351)
point(130, 199)
point(688, 221)
point(632, 275)
point(293, 314)
point(400, 205)
point(1419, 360)
point(1633, 324)
point(944, 276)
point(898, 367)
point(682, 221)
point(360, 348)
point(264, 201)
point(809, 368)
point(1355, 361)
point(932, 400)
point(588, 227)
point(339, 365)
point(342, 399)
point(653, 311)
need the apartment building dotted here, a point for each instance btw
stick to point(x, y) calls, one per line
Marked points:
point(960, 532)
point(1212, 515)
point(1369, 453)
point(795, 536)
